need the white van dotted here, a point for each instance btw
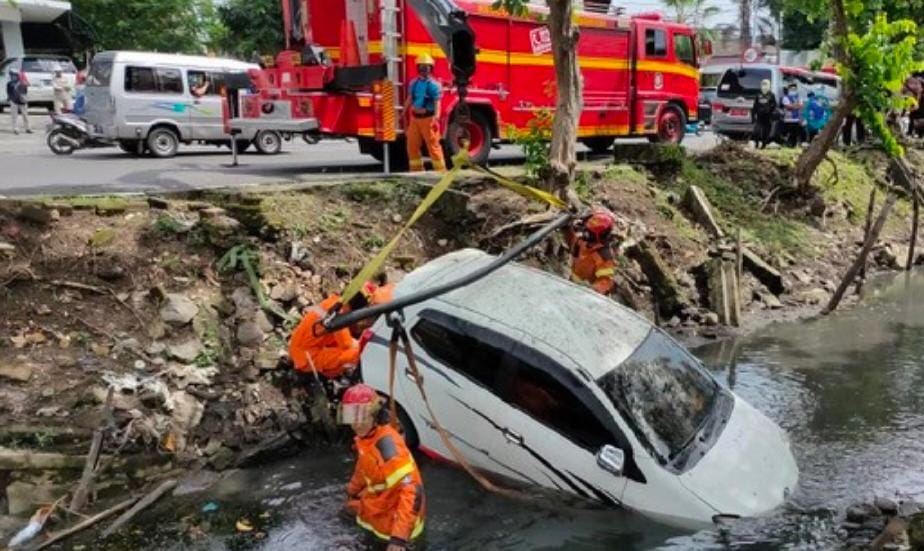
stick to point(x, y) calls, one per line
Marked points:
point(552, 385)
point(158, 101)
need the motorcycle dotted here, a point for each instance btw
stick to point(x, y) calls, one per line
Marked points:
point(68, 133)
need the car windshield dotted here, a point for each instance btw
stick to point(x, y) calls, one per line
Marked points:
point(742, 82)
point(46, 65)
point(663, 393)
point(100, 72)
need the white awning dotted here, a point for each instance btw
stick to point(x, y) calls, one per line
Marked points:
point(33, 11)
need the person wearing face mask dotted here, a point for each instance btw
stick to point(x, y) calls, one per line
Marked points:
point(423, 108)
point(762, 114)
point(792, 116)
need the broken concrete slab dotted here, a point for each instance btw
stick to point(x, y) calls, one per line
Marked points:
point(26, 460)
point(187, 351)
point(24, 498)
point(698, 205)
point(20, 371)
point(667, 292)
point(764, 272)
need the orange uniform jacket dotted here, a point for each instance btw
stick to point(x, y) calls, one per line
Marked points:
point(329, 353)
point(592, 264)
point(386, 490)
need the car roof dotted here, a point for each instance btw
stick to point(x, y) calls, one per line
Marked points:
point(155, 58)
point(595, 332)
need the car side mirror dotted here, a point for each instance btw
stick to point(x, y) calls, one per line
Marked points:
point(612, 459)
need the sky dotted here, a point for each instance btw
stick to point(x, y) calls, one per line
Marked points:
point(728, 10)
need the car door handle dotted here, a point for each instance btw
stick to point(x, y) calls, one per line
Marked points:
point(513, 437)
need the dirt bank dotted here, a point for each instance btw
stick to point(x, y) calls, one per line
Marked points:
point(130, 294)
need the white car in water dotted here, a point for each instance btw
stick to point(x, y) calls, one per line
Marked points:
point(549, 384)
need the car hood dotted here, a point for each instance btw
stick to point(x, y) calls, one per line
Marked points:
point(750, 470)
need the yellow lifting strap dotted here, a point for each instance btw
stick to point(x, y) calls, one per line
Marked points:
point(459, 162)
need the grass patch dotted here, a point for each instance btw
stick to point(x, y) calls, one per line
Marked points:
point(626, 173)
point(89, 203)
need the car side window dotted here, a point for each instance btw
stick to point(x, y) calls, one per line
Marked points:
point(683, 49)
point(140, 79)
point(544, 398)
point(169, 81)
point(200, 83)
point(655, 43)
point(478, 361)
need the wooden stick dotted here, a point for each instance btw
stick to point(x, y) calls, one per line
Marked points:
point(914, 233)
point(79, 286)
point(145, 502)
point(739, 263)
point(861, 259)
point(869, 222)
point(89, 468)
point(84, 524)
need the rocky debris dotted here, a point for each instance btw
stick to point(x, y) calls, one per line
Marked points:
point(886, 506)
point(24, 497)
point(266, 360)
point(916, 531)
point(36, 214)
point(158, 203)
point(285, 291)
point(156, 348)
point(892, 256)
point(813, 296)
point(765, 273)
point(187, 414)
point(186, 375)
point(698, 205)
point(249, 333)
point(768, 299)
point(880, 525)
point(186, 351)
point(20, 371)
point(7, 249)
point(178, 310)
point(667, 292)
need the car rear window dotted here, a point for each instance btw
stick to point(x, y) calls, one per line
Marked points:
point(46, 65)
point(742, 82)
point(709, 81)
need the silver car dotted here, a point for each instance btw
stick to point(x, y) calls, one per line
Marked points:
point(39, 71)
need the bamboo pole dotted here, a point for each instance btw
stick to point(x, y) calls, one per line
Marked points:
point(145, 502)
point(86, 523)
point(869, 222)
point(914, 233)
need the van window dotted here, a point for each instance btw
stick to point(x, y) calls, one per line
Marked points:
point(100, 72)
point(683, 49)
point(663, 393)
point(542, 397)
point(655, 43)
point(478, 361)
point(153, 80)
point(742, 82)
point(214, 80)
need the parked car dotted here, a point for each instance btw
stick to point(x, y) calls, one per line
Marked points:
point(39, 71)
point(709, 77)
point(548, 384)
point(164, 100)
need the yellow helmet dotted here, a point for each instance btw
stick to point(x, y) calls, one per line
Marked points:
point(425, 59)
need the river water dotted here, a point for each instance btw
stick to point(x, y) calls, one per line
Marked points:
point(849, 389)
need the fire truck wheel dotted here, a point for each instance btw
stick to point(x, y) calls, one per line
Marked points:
point(598, 145)
point(478, 133)
point(268, 142)
point(671, 126)
point(163, 142)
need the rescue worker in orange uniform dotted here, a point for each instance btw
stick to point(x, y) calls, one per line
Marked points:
point(329, 354)
point(423, 108)
point(592, 259)
point(386, 491)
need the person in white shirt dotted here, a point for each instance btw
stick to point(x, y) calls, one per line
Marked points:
point(63, 90)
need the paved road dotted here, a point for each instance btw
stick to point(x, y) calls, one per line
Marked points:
point(27, 166)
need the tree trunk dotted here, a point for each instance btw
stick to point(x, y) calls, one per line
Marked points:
point(812, 157)
point(818, 149)
point(744, 14)
point(569, 84)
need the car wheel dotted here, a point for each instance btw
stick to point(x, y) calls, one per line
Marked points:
point(268, 142)
point(130, 147)
point(59, 142)
point(163, 142)
point(672, 126)
point(477, 132)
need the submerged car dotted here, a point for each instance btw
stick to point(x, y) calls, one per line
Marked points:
point(549, 384)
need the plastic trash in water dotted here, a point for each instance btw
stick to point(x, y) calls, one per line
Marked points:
point(210, 507)
point(36, 523)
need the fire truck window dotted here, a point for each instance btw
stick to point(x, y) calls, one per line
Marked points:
point(545, 399)
point(476, 360)
point(655, 43)
point(140, 79)
point(683, 49)
point(169, 81)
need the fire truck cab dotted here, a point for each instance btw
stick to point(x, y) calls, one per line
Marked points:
point(350, 62)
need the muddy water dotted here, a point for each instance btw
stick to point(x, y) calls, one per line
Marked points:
point(849, 389)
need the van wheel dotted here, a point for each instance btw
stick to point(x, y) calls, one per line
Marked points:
point(672, 125)
point(268, 142)
point(477, 131)
point(163, 142)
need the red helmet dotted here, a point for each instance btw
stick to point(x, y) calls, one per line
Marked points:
point(599, 225)
point(359, 403)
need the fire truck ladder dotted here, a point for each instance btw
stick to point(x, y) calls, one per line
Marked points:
point(392, 33)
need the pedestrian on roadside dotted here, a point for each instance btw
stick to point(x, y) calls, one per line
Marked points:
point(762, 115)
point(385, 493)
point(62, 90)
point(816, 114)
point(792, 116)
point(16, 91)
point(423, 111)
point(853, 123)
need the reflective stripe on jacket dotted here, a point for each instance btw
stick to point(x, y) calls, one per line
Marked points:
point(327, 353)
point(593, 265)
point(387, 487)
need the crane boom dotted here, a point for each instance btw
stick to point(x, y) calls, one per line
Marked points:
point(448, 25)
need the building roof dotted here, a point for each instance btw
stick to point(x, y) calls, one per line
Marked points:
point(595, 332)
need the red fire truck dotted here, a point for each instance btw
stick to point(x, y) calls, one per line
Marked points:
point(348, 62)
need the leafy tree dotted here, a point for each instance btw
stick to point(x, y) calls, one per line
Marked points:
point(252, 26)
point(569, 87)
point(695, 13)
point(181, 26)
point(874, 56)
